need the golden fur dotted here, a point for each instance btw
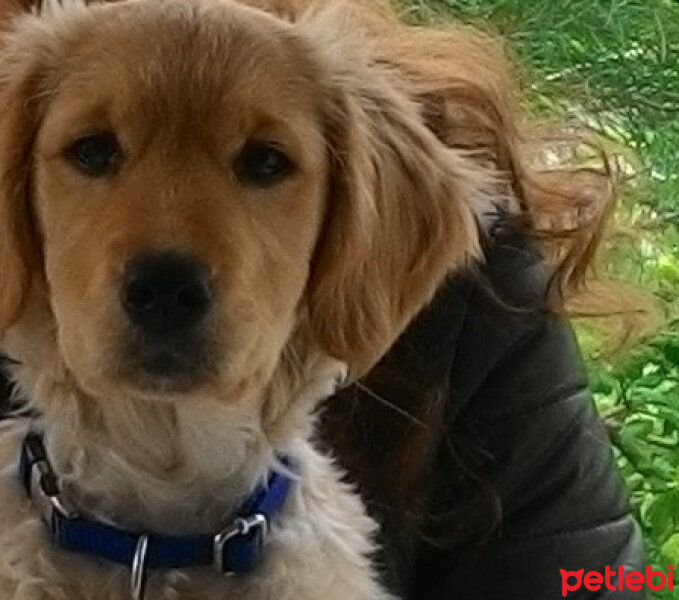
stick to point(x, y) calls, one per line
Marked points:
point(398, 136)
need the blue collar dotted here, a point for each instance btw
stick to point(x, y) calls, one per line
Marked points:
point(236, 549)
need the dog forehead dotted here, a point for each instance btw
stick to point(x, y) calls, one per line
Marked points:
point(198, 49)
point(203, 69)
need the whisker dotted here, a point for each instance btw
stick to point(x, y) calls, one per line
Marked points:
point(390, 405)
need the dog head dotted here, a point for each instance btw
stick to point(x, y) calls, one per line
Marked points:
point(194, 186)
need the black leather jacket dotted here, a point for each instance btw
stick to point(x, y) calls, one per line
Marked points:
point(502, 475)
point(506, 475)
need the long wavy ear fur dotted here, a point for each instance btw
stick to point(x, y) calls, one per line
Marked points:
point(468, 90)
point(22, 70)
point(399, 215)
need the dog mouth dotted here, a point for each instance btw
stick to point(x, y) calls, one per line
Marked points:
point(178, 364)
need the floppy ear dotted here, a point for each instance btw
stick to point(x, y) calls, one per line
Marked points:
point(398, 218)
point(19, 249)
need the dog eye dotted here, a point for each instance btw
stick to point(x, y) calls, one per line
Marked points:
point(262, 164)
point(95, 155)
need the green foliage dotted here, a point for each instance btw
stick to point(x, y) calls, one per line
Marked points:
point(610, 63)
point(613, 65)
point(638, 399)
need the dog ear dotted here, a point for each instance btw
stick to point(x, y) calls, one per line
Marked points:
point(20, 98)
point(398, 218)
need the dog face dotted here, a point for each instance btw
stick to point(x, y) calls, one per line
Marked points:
point(193, 186)
point(177, 207)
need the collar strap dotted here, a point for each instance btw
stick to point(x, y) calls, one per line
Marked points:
point(237, 549)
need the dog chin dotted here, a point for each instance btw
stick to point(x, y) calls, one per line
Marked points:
point(162, 388)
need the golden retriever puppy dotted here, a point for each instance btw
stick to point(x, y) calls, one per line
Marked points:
point(211, 214)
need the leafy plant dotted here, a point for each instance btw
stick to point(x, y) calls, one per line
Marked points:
point(638, 399)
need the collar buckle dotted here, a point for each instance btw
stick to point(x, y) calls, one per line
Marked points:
point(256, 525)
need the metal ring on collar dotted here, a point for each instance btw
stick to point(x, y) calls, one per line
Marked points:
point(138, 576)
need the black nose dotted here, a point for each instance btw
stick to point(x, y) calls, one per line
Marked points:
point(165, 293)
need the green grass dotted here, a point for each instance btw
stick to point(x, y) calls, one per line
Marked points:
point(614, 65)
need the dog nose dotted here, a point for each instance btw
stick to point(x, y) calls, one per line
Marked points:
point(165, 293)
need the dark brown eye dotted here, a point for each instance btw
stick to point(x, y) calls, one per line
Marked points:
point(262, 164)
point(95, 155)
